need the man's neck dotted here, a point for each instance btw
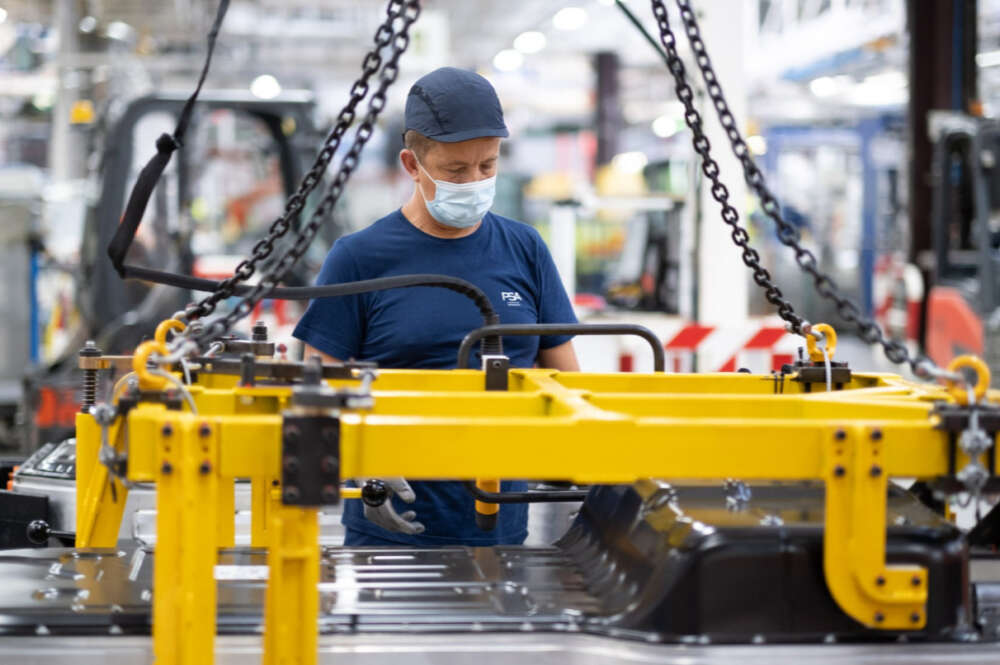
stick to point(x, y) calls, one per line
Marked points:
point(415, 211)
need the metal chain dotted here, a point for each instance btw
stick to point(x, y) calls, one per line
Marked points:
point(788, 234)
point(410, 10)
point(711, 170)
point(263, 248)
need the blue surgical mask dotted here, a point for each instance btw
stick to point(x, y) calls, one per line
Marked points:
point(460, 205)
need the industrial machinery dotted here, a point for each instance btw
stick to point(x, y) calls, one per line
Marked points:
point(723, 508)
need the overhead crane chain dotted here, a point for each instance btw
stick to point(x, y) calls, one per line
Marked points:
point(788, 234)
point(404, 11)
point(711, 170)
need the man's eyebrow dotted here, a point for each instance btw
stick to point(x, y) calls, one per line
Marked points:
point(454, 162)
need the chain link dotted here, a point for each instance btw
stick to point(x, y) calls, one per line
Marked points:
point(711, 170)
point(404, 13)
point(293, 206)
point(788, 234)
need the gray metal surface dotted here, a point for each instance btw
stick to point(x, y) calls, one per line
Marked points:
point(487, 649)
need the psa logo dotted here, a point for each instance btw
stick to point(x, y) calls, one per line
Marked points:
point(512, 298)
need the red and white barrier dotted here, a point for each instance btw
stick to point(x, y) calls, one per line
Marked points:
point(760, 345)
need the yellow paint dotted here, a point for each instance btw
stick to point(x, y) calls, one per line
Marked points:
point(982, 370)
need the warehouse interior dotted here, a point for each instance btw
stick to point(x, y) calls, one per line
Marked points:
point(432, 331)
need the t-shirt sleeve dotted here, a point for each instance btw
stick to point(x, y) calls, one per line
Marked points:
point(335, 326)
point(553, 302)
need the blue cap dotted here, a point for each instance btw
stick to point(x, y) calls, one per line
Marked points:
point(451, 105)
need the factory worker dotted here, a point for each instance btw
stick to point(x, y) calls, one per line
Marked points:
point(454, 125)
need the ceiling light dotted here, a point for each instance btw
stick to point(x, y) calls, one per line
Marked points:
point(988, 59)
point(757, 144)
point(666, 126)
point(530, 42)
point(265, 86)
point(508, 60)
point(629, 162)
point(569, 18)
point(828, 86)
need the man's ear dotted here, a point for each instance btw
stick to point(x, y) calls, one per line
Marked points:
point(409, 162)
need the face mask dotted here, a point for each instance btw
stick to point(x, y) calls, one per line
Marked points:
point(460, 205)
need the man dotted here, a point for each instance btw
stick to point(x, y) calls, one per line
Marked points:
point(454, 125)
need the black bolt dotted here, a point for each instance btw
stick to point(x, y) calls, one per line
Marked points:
point(329, 464)
point(374, 493)
point(166, 468)
point(291, 494)
point(915, 581)
point(876, 434)
point(205, 468)
point(840, 435)
point(204, 430)
point(167, 429)
point(259, 332)
point(330, 435)
point(880, 581)
point(291, 464)
point(879, 617)
point(875, 471)
point(275, 482)
point(292, 435)
point(839, 471)
point(915, 617)
point(329, 494)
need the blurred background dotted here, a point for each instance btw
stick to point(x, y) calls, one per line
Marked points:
point(871, 120)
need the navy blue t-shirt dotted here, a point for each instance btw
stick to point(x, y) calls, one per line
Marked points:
point(422, 327)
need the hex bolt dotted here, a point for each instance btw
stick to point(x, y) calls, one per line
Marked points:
point(876, 434)
point(875, 471)
point(166, 468)
point(291, 464)
point(879, 581)
point(915, 617)
point(329, 464)
point(204, 430)
point(205, 468)
point(329, 494)
point(330, 435)
point(291, 493)
point(879, 617)
point(167, 429)
point(839, 471)
point(292, 435)
point(840, 435)
point(915, 580)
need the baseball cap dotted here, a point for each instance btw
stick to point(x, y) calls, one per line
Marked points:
point(451, 105)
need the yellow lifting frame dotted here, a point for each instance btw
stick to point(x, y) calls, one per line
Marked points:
point(587, 428)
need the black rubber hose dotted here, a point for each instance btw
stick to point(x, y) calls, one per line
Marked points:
point(540, 329)
point(534, 496)
point(492, 345)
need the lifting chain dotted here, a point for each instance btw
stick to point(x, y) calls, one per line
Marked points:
point(404, 12)
point(788, 234)
point(711, 170)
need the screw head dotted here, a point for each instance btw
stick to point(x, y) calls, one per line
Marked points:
point(167, 429)
point(204, 430)
point(292, 435)
point(880, 581)
point(329, 464)
point(840, 435)
point(328, 494)
point(915, 580)
point(291, 493)
point(839, 471)
point(205, 468)
point(875, 471)
point(166, 468)
point(291, 464)
point(879, 617)
point(915, 617)
point(876, 434)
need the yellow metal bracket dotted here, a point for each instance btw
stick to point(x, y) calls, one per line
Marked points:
point(889, 597)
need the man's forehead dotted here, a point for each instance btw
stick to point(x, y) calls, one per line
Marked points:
point(466, 152)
